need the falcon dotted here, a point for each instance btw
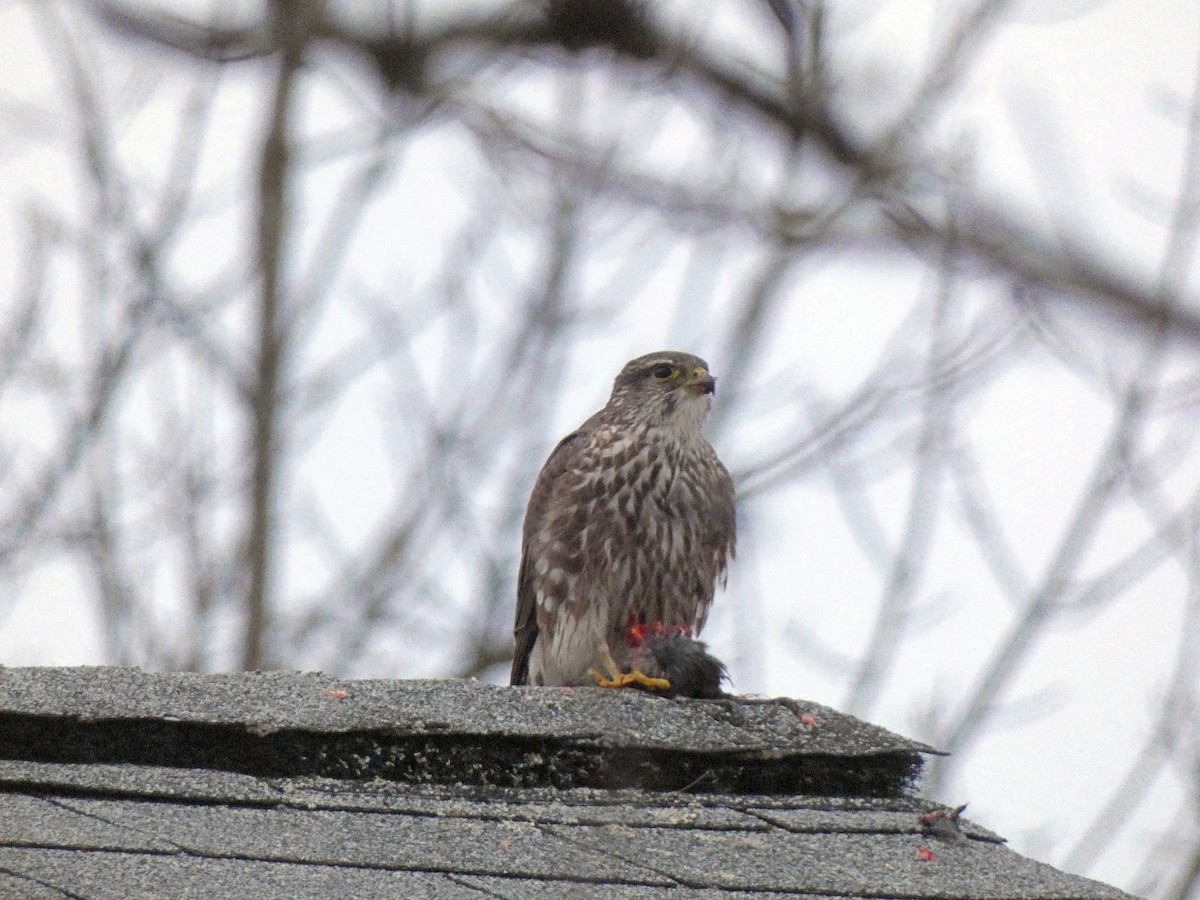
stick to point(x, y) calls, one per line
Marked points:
point(628, 531)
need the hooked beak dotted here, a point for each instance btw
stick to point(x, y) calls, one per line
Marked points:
point(700, 382)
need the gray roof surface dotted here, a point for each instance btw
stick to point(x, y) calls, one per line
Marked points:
point(117, 783)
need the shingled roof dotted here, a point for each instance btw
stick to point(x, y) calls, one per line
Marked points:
point(118, 783)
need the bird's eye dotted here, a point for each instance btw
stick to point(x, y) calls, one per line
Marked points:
point(662, 371)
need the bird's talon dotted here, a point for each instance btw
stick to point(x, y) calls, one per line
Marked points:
point(624, 679)
point(654, 684)
point(603, 680)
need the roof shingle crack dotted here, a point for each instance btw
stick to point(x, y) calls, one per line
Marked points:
point(44, 885)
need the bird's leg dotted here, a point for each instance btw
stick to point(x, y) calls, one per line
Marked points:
point(616, 678)
point(613, 670)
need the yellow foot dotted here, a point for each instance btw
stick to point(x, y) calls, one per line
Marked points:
point(624, 679)
point(617, 679)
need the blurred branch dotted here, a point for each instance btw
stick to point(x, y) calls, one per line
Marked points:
point(1109, 474)
point(292, 23)
point(997, 240)
point(924, 499)
point(1163, 739)
point(113, 355)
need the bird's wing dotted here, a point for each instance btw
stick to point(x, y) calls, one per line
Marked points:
point(525, 629)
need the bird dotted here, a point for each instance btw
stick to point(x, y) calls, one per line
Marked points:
point(629, 530)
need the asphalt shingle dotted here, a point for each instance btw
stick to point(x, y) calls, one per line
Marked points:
point(287, 725)
point(133, 876)
point(51, 822)
point(115, 783)
point(276, 701)
point(366, 839)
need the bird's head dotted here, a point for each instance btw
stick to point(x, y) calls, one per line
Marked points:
point(665, 388)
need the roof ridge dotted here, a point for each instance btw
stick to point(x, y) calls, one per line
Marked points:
point(449, 732)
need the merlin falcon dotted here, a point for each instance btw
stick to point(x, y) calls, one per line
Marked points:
point(628, 531)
